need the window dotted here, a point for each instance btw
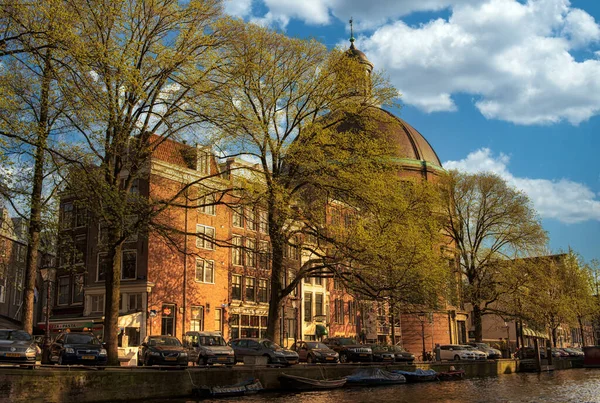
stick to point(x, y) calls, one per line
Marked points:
point(67, 215)
point(318, 304)
point(237, 217)
point(236, 251)
point(103, 266)
point(219, 319)
point(80, 217)
point(103, 233)
point(318, 278)
point(236, 287)
point(80, 249)
point(352, 312)
point(21, 253)
point(263, 222)
point(63, 290)
point(207, 204)
point(128, 265)
point(135, 302)
point(308, 306)
point(205, 271)
point(263, 255)
point(291, 250)
point(250, 289)
point(206, 237)
point(262, 295)
point(97, 304)
point(197, 319)
point(250, 220)
point(78, 288)
point(135, 187)
point(339, 311)
point(203, 162)
point(250, 252)
point(307, 280)
point(3, 291)
point(337, 284)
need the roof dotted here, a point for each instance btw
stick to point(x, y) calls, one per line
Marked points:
point(173, 152)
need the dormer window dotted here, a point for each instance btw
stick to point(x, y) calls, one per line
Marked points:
point(203, 165)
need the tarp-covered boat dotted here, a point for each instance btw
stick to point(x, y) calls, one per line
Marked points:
point(374, 376)
point(246, 387)
point(300, 383)
point(419, 375)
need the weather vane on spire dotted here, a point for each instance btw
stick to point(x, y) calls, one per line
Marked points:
point(351, 34)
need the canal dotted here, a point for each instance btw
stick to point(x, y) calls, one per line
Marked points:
point(567, 386)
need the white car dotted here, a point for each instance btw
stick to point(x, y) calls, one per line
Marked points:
point(480, 354)
point(457, 352)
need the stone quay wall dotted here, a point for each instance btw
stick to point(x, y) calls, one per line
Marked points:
point(125, 384)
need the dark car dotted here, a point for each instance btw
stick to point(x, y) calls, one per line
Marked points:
point(207, 348)
point(315, 351)
point(263, 348)
point(349, 350)
point(381, 353)
point(528, 353)
point(75, 348)
point(401, 355)
point(162, 350)
point(17, 347)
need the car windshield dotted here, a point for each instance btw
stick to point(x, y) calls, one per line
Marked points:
point(211, 341)
point(459, 348)
point(397, 349)
point(81, 339)
point(482, 345)
point(316, 344)
point(468, 348)
point(164, 341)
point(14, 335)
point(379, 349)
point(270, 345)
point(347, 341)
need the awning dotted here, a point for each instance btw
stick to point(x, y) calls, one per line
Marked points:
point(321, 330)
point(131, 320)
point(534, 333)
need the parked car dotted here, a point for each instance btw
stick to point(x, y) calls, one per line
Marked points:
point(207, 348)
point(315, 351)
point(479, 355)
point(162, 350)
point(75, 348)
point(572, 352)
point(559, 353)
point(17, 347)
point(401, 355)
point(457, 352)
point(492, 353)
point(381, 353)
point(263, 348)
point(529, 353)
point(349, 350)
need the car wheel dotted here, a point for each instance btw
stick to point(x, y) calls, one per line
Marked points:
point(344, 358)
point(456, 357)
point(202, 361)
point(310, 359)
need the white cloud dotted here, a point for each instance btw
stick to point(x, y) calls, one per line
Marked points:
point(237, 8)
point(514, 56)
point(562, 199)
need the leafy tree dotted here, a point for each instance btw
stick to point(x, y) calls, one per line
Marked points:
point(489, 222)
point(282, 107)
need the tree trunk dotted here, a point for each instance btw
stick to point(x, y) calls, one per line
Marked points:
point(111, 303)
point(581, 331)
point(277, 269)
point(35, 213)
point(392, 324)
point(477, 323)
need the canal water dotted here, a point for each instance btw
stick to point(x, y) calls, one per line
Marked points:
point(567, 386)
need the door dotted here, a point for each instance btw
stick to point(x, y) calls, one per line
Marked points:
point(302, 352)
point(253, 348)
point(168, 320)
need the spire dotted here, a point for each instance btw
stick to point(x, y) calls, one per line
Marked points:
point(351, 34)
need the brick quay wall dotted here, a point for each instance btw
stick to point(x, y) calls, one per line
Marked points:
point(127, 384)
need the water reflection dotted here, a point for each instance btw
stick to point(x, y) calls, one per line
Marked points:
point(568, 386)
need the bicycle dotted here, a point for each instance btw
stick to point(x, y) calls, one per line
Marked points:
point(429, 356)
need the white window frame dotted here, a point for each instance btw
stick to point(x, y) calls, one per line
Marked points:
point(237, 251)
point(73, 285)
point(237, 212)
point(250, 258)
point(58, 293)
point(203, 243)
point(98, 266)
point(2, 291)
point(122, 266)
point(201, 266)
point(208, 209)
point(100, 300)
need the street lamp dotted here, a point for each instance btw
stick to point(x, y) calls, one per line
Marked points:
point(422, 319)
point(47, 274)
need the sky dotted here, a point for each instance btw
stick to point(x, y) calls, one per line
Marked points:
point(507, 86)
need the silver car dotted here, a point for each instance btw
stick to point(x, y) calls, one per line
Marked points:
point(263, 348)
point(17, 347)
point(207, 348)
point(457, 352)
point(492, 353)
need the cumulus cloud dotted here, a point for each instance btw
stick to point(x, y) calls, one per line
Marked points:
point(563, 199)
point(237, 8)
point(515, 57)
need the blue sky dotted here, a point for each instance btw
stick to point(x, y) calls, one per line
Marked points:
point(502, 85)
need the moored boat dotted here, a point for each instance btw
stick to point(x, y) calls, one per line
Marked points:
point(454, 375)
point(373, 377)
point(246, 387)
point(419, 375)
point(301, 383)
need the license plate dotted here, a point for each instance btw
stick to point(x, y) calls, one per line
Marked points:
point(363, 355)
point(329, 358)
point(170, 358)
point(88, 357)
point(293, 362)
point(13, 354)
point(222, 358)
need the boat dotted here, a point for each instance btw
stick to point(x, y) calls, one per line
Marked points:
point(300, 383)
point(453, 375)
point(373, 377)
point(419, 375)
point(246, 387)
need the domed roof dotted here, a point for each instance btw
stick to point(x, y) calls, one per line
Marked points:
point(360, 56)
point(409, 144)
